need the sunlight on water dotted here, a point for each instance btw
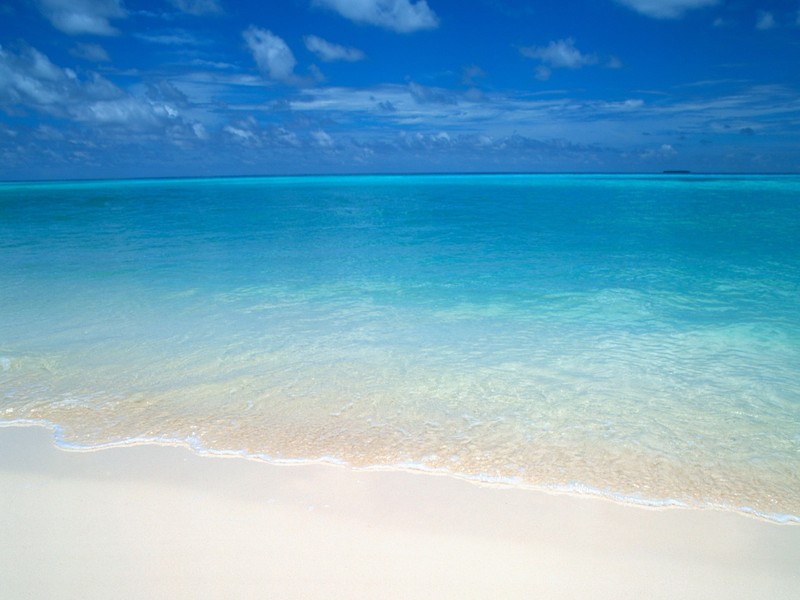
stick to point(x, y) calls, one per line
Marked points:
point(638, 336)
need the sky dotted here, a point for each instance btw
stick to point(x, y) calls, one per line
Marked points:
point(146, 88)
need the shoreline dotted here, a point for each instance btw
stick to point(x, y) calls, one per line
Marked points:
point(157, 521)
point(576, 489)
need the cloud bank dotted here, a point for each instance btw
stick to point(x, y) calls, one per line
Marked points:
point(30, 82)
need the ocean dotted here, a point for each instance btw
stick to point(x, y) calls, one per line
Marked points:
point(630, 336)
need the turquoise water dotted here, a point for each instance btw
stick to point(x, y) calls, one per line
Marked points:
point(634, 336)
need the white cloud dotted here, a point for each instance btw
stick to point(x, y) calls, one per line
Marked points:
point(666, 9)
point(766, 20)
point(200, 131)
point(128, 111)
point(271, 53)
point(76, 17)
point(98, 88)
point(620, 122)
point(198, 7)
point(402, 16)
point(173, 37)
point(90, 52)
point(242, 135)
point(560, 54)
point(288, 138)
point(662, 152)
point(430, 141)
point(330, 52)
point(166, 91)
point(322, 139)
point(249, 133)
point(633, 103)
point(31, 79)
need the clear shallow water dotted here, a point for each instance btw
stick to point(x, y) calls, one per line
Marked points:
point(633, 336)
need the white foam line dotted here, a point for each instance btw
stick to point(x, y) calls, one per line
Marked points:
point(573, 488)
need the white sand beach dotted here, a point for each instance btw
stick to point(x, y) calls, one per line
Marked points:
point(162, 522)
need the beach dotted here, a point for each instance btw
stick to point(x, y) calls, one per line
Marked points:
point(399, 299)
point(154, 521)
point(449, 386)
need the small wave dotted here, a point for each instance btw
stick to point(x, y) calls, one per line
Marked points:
point(193, 444)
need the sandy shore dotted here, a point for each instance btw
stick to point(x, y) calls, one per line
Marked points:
point(157, 522)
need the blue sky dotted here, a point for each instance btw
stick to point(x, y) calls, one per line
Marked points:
point(129, 88)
